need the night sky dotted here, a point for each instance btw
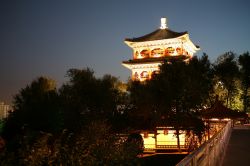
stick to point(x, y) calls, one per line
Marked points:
point(48, 37)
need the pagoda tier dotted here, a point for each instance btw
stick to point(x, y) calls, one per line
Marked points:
point(143, 69)
point(151, 50)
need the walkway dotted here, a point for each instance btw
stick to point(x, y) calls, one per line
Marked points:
point(238, 150)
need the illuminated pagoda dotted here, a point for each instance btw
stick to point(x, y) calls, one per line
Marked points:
point(151, 50)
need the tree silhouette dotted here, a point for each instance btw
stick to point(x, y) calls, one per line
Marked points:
point(227, 72)
point(72, 127)
point(244, 62)
point(86, 98)
point(36, 108)
point(174, 95)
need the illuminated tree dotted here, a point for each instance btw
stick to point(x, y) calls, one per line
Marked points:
point(227, 73)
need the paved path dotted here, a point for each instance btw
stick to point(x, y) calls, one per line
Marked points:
point(238, 150)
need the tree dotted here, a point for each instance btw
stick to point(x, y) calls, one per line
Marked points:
point(86, 98)
point(175, 94)
point(75, 127)
point(36, 108)
point(226, 72)
point(185, 87)
point(244, 62)
point(76, 96)
point(143, 110)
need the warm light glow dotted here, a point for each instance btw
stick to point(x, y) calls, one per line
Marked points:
point(157, 49)
point(163, 137)
point(144, 71)
point(164, 50)
point(149, 142)
point(214, 119)
point(170, 138)
point(226, 119)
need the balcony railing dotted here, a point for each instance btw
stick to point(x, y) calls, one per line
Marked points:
point(211, 152)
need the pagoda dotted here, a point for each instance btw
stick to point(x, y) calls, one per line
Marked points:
point(153, 49)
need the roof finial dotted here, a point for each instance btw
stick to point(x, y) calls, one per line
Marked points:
point(164, 23)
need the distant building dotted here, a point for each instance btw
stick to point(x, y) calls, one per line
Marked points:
point(151, 50)
point(4, 110)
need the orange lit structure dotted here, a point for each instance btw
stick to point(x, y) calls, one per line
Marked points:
point(164, 139)
point(151, 50)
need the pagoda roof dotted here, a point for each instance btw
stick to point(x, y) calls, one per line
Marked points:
point(155, 60)
point(218, 110)
point(158, 34)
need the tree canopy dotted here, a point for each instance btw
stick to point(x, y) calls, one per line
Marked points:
point(36, 107)
point(226, 71)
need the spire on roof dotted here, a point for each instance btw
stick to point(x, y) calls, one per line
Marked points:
point(164, 23)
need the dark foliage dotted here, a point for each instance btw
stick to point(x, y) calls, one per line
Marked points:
point(244, 62)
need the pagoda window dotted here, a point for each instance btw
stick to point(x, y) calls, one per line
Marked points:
point(169, 51)
point(136, 55)
point(145, 53)
point(144, 74)
point(157, 52)
point(136, 76)
point(179, 51)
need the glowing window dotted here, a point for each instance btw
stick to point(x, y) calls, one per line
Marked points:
point(136, 76)
point(179, 51)
point(157, 52)
point(144, 74)
point(169, 51)
point(145, 53)
point(136, 54)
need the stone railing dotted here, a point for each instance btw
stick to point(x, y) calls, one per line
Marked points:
point(211, 152)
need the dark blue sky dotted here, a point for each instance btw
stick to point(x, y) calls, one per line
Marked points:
point(48, 37)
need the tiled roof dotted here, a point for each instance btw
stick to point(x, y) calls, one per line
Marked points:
point(159, 34)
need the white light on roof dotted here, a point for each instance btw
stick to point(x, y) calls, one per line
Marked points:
point(164, 23)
